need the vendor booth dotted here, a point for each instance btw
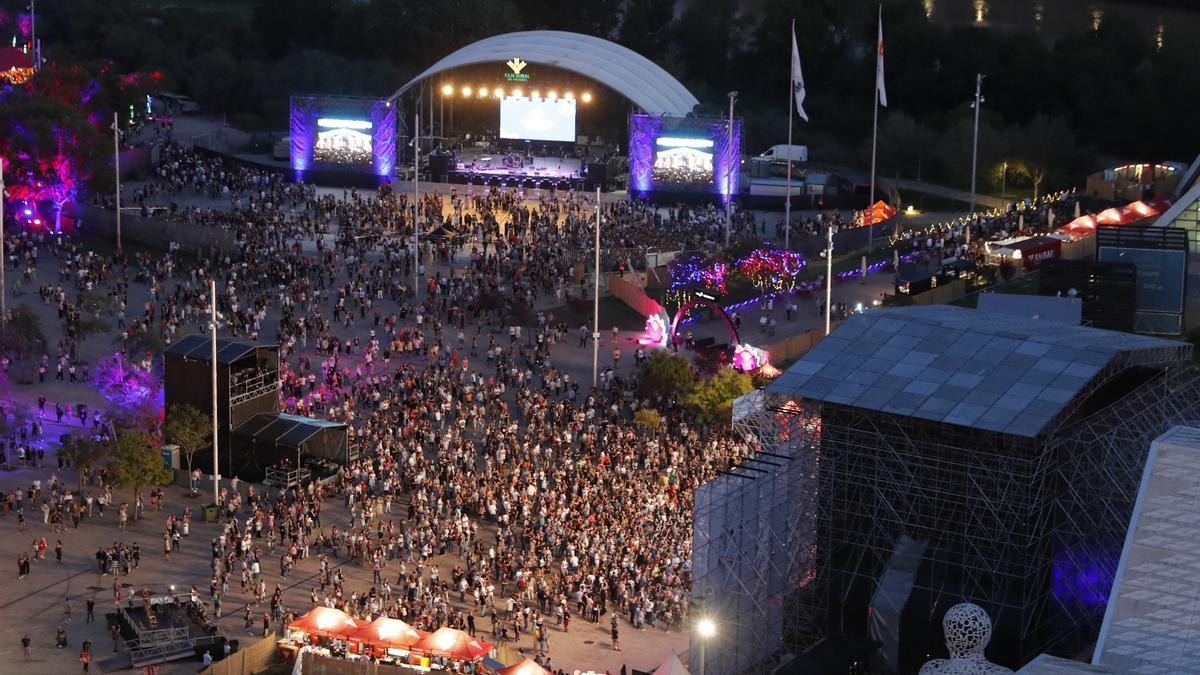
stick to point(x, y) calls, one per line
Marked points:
point(324, 628)
point(390, 641)
point(526, 667)
point(453, 649)
point(1030, 252)
point(331, 634)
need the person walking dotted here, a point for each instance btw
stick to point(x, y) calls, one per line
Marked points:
point(25, 645)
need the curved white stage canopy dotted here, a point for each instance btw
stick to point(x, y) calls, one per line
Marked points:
point(625, 71)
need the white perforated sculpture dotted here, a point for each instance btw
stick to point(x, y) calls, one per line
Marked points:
point(968, 630)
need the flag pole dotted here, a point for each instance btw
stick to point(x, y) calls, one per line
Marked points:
point(870, 216)
point(787, 203)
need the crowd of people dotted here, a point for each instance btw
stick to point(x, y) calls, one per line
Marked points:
point(475, 444)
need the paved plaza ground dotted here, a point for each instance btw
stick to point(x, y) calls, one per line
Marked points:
point(38, 604)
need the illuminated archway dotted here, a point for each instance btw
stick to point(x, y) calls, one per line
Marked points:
point(701, 302)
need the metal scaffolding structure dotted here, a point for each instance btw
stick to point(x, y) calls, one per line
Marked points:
point(904, 427)
point(1103, 457)
point(753, 551)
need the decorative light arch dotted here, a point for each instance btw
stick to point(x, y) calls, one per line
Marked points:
point(700, 302)
point(623, 70)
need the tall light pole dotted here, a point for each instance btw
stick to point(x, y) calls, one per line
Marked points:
point(3, 309)
point(33, 34)
point(212, 324)
point(417, 203)
point(829, 276)
point(729, 170)
point(975, 145)
point(596, 302)
point(117, 170)
point(706, 628)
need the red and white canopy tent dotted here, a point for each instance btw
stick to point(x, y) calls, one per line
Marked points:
point(1130, 213)
point(454, 644)
point(325, 622)
point(526, 667)
point(388, 633)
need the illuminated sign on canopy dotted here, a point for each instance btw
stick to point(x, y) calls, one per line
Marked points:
point(516, 65)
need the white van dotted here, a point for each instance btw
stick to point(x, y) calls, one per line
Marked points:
point(779, 153)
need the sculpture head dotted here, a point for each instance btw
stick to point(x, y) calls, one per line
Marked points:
point(968, 630)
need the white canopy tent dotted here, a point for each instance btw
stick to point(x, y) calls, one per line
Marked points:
point(625, 71)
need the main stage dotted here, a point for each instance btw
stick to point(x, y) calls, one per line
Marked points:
point(513, 170)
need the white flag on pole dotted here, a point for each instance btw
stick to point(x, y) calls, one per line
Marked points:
point(879, 68)
point(797, 79)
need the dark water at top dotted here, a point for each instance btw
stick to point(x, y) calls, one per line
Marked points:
point(1052, 18)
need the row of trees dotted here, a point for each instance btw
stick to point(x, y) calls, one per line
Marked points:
point(1113, 85)
point(133, 460)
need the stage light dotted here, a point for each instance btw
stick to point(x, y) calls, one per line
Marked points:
point(587, 97)
point(483, 92)
point(466, 91)
point(536, 94)
point(498, 92)
point(570, 96)
point(447, 90)
point(517, 92)
point(552, 95)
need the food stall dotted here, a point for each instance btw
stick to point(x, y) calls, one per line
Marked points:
point(526, 667)
point(326, 633)
point(451, 649)
point(325, 627)
point(390, 641)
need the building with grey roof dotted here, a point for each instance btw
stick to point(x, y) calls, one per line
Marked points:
point(1008, 451)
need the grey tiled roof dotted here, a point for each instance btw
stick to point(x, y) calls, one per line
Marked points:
point(960, 366)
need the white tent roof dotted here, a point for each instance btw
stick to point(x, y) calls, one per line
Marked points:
point(634, 76)
point(672, 666)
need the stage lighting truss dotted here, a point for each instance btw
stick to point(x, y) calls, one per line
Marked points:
point(484, 93)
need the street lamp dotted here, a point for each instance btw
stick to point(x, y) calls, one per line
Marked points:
point(706, 628)
point(729, 170)
point(975, 148)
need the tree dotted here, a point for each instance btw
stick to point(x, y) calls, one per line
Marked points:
point(665, 374)
point(711, 401)
point(83, 452)
point(645, 26)
point(136, 462)
point(1045, 151)
point(134, 394)
point(904, 145)
point(22, 336)
point(648, 419)
point(190, 429)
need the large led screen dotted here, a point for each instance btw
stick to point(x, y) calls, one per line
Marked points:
point(341, 141)
point(683, 161)
point(537, 119)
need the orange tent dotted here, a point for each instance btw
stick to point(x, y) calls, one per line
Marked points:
point(878, 213)
point(526, 667)
point(454, 644)
point(325, 622)
point(388, 633)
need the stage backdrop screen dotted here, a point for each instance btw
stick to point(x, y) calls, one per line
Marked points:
point(343, 141)
point(537, 119)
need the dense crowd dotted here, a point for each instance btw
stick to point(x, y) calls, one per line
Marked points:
point(555, 506)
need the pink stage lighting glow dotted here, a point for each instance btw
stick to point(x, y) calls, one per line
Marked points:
point(656, 332)
point(747, 358)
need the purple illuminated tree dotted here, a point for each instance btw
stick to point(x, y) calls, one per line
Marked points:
point(134, 393)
